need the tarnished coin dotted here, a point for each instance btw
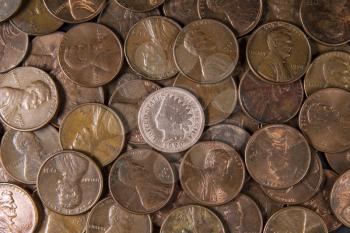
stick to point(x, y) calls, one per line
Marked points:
point(33, 18)
point(171, 120)
point(295, 219)
point(241, 215)
point(28, 98)
point(325, 119)
point(69, 183)
point(241, 15)
point(218, 100)
point(8, 8)
point(239, 118)
point(277, 156)
point(22, 153)
point(318, 48)
point(146, 178)
point(278, 52)
point(126, 102)
point(4, 176)
point(108, 217)
point(140, 5)
point(183, 11)
point(13, 45)
point(148, 47)
point(287, 10)
point(95, 130)
point(331, 69)
point(340, 196)
point(206, 51)
point(74, 11)
point(18, 210)
point(331, 24)
point(339, 162)
point(212, 173)
point(270, 103)
point(90, 54)
point(192, 218)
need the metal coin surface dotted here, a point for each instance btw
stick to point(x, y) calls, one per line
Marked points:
point(69, 183)
point(146, 178)
point(183, 11)
point(8, 8)
point(277, 156)
point(4, 176)
point(148, 47)
point(324, 118)
point(90, 54)
point(240, 119)
point(339, 162)
point(206, 51)
point(212, 173)
point(171, 120)
point(278, 52)
point(95, 130)
point(140, 5)
point(288, 11)
point(28, 98)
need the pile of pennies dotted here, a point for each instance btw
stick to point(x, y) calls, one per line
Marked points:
point(175, 116)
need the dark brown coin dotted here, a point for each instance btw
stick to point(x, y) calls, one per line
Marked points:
point(318, 48)
point(339, 162)
point(331, 24)
point(239, 118)
point(140, 5)
point(277, 156)
point(288, 10)
point(206, 51)
point(212, 173)
point(278, 52)
point(270, 103)
point(183, 11)
point(146, 178)
point(325, 119)
point(241, 15)
point(8, 8)
point(69, 183)
point(340, 198)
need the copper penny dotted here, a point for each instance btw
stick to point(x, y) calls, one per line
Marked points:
point(240, 119)
point(28, 98)
point(318, 48)
point(183, 11)
point(4, 176)
point(324, 118)
point(8, 8)
point(95, 130)
point(206, 51)
point(278, 52)
point(339, 162)
point(140, 5)
point(287, 10)
point(277, 156)
point(146, 178)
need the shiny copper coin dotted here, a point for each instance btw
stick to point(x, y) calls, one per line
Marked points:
point(146, 178)
point(278, 52)
point(206, 51)
point(108, 217)
point(287, 10)
point(69, 183)
point(28, 98)
point(339, 162)
point(240, 119)
point(148, 47)
point(339, 199)
point(277, 156)
point(8, 8)
point(183, 11)
point(325, 119)
point(140, 5)
point(95, 130)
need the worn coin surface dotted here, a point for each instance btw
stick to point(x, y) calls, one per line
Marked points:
point(277, 156)
point(339, 162)
point(28, 98)
point(140, 5)
point(8, 8)
point(4, 176)
point(171, 120)
point(206, 51)
point(325, 119)
point(240, 119)
point(339, 200)
point(69, 183)
point(95, 130)
point(146, 178)
point(183, 11)
point(278, 52)
point(287, 10)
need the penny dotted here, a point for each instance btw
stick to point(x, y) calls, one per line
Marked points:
point(8, 8)
point(126, 103)
point(192, 218)
point(146, 178)
point(206, 51)
point(295, 219)
point(277, 156)
point(4, 176)
point(339, 162)
point(148, 47)
point(330, 25)
point(278, 52)
point(171, 120)
point(288, 11)
point(95, 130)
point(13, 46)
point(269, 103)
point(241, 15)
point(28, 98)
point(331, 69)
point(324, 119)
point(241, 215)
point(183, 11)
point(90, 55)
point(108, 217)
point(212, 173)
point(318, 48)
point(218, 100)
point(240, 119)
point(69, 183)
point(33, 18)
point(140, 5)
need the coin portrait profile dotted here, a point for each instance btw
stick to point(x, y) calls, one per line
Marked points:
point(336, 72)
point(118, 222)
point(8, 212)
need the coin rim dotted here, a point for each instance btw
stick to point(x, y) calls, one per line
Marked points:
point(13, 11)
point(140, 11)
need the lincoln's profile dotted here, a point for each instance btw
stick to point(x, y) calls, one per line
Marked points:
point(8, 212)
point(119, 222)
